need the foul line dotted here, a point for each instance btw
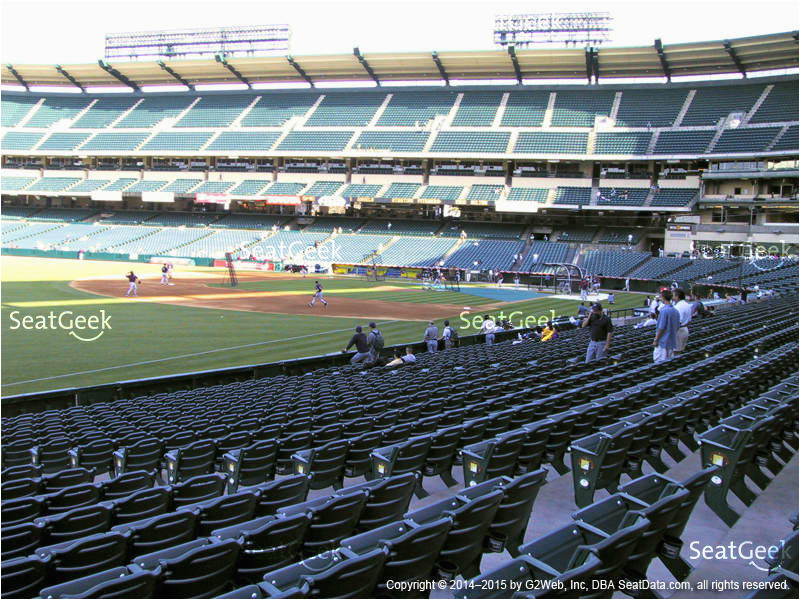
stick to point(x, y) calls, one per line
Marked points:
point(193, 354)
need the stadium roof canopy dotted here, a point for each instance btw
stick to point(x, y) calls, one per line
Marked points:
point(741, 55)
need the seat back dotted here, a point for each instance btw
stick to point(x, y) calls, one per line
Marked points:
point(126, 484)
point(24, 577)
point(275, 494)
point(118, 582)
point(141, 505)
point(512, 516)
point(85, 556)
point(203, 571)
point(351, 578)
point(198, 489)
point(74, 524)
point(224, 511)
point(157, 533)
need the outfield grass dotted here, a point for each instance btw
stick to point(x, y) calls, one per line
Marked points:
point(150, 339)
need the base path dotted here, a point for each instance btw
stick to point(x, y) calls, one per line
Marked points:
point(199, 295)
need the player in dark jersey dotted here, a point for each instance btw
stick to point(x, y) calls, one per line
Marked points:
point(164, 274)
point(133, 282)
point(318, 295)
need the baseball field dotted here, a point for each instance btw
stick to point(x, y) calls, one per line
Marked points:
point(68, 323)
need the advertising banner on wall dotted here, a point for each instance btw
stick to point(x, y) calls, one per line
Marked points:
point(158, 197)
point(101, 196)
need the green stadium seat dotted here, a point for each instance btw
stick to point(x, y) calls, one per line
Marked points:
point(345, 110)
point(525, 109)
point(712, 103)
point(58, 108)
point(104, 112)
point(14, 107)
point(244, 140)
point(477, 109)
point(273, 110)
point(216, 111)
point(633, 142)
point(20, 140)
point(471, 141)
point(406, 141)
point(656, 108)
point(407, 109)
point(154, 109)
point(63, 141)
point(115, 141)
point(315, 141)
point(578, 109)
point(551, 142)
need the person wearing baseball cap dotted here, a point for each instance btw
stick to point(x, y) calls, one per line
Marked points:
point(600, 336)
point(375, 343)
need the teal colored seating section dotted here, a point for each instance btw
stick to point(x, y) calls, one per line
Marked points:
point(483, 230)
point(183, 219)
point(64, 141)
point(445, 193)
point(325, 225)
point(161, 241)
point(120, 184)
point(32, 229)
point(401, 190)
point(578, 108)
point(220, 242)
point(683, 142)
point(632, 142)
point(345, 110)
point(360, 190)
point(216, 111)
point(284, 189)
point(788, 141)
point(657, 107)
point(400, 227)
point(619, 196)
point(146, 186)
point(674, 197)
point(250, 187)
point(521, 194)
point(181, 186)
point(63, 214)
point(415, 252)
point(129, 216)
point(525, 109)
point(56, 108)
point(488, 254)
point(12, 184)
point(213, 187)
point(244, 140)
point(541, 253)
point(323, 188)
point(471, 141)
point(13, 108)
point(551, 142)
point(53, 184)
point(710, 104)
point(485, 192)
point(610, 235)
point(612, 264)
point(20, 140)
point(477, 109)
point(256, 221)
point(315, 141)
point(154, 109)
point(354, 248)
point(104, 112)
point(115, 141)
point(577, 234)
point(89, 185)
point(274, 110)
point(121, 234)
point(745, 140)
point(573, 195)
point(416, 108)
point(170, 140)
point(780, 105)
point(401, 141)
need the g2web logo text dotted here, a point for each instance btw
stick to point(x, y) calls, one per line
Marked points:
point(81, 327)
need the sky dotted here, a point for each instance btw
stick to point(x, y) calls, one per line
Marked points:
point(39, 31)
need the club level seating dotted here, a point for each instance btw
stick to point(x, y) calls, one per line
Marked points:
point(521, 194)
point(573, 195)
point(612, 264)
point(712, 103)
point(490, 193)
point(683, 142)
point(360, 190)
point(273, 110)
point(525, 109)
point(622, 196)
point(656, 108)
point(674, 197)
point(748, 140)
point(146, 185)
point(57, 108)
point(63, 214)
point(355, 248)
point(126, 217)
point(20, 140)
point(658, 267)
point(468, 141)
point(477, 109)
point(182, 219)
point(488, 254)
point(154, 109)
point(315, 141)
point(609, 235)
point(578, 109)
point(789, 139)
point(13, 108)
point(401, 190)
point(104, 112)
point(445, 193)
point(540, 253)
point(181, 186)
point(406, 141)
point(284, 189)
point(632, 142)
point(577, 234)
point(780, 104)
point(177, 141)
point(400, 226)
point(115, 141)
point(256, 221)
point(550, 142)
point(120, 184)
point(345, 110)
point(53, 184)
point(482, 230)
point(215, 111)
point(250, 187)
point(11, 184)
point(407, 109)
point(63, 141)
point(327, 224)
point(244, 140)
point(323, 188)
point(213, 187)
point(415, 252)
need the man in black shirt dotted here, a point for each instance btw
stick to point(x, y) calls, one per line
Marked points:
point(359, 340)
point(600, 334)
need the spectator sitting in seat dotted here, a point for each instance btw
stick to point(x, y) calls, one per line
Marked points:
point(408, 358)
point(648, 322)
point(550, 332)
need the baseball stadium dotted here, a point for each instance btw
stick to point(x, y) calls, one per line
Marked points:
point(518, 321)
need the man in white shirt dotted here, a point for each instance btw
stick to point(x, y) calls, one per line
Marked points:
point(488, 328)
point(685, 311)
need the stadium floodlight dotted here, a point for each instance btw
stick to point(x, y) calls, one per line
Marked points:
point(576, 29)
point(253, 40)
